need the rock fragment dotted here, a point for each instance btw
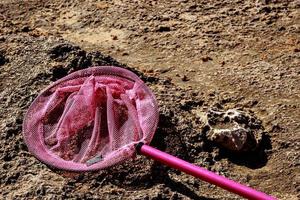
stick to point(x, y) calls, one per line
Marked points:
point(234, 130)
point(3, 60)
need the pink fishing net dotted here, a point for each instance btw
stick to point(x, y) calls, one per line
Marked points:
point(91, 119)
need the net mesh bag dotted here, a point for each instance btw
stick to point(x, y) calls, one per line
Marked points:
point(90, 119)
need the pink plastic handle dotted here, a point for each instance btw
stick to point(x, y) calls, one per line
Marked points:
point(202, 173)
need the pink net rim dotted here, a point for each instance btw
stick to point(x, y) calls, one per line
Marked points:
point(124, 153)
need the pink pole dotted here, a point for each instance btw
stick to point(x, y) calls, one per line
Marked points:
point(202, 173)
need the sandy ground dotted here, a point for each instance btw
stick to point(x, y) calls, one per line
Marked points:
point(194, 55)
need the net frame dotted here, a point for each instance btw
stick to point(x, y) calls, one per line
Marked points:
point(33, 134)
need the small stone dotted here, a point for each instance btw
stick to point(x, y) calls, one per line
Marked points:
point(94, 160)
point(162, 70)
point(206, 59)
point(114, 37)
point(163, 29)
point(25, 29)
point(2, 39)
point(234, 130)
point(184, 78)
point(149, 71)
point(101, 5)
point(296, 50)
point(276, 128)
point(3, 60)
